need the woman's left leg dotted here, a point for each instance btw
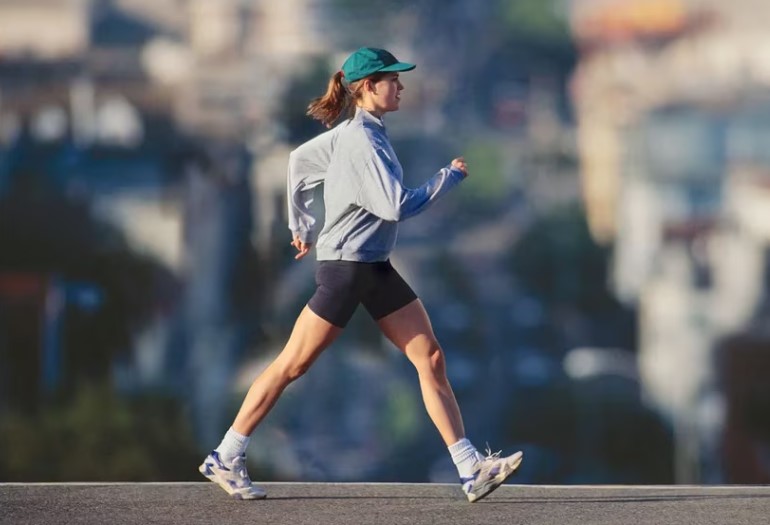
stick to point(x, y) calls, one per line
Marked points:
point(410, 330)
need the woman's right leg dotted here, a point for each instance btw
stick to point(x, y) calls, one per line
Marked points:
point(226, 465)
point(310, 336)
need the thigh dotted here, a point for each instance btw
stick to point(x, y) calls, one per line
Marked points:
point(386, 291)
point(409, 329)
point(309, 337)
point(338, 292)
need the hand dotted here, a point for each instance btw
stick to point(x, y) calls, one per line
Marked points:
point(302, 247)
point(460, 164)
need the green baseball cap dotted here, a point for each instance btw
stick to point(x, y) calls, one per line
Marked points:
point(368, 60)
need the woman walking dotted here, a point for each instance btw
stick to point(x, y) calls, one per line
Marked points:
point(364, 199)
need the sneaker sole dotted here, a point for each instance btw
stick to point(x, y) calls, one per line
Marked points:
point(227, 488)
point(499, 480)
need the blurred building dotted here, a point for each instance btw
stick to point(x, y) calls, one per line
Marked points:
point(673, 121)
point(44, 29)
point(83, 117)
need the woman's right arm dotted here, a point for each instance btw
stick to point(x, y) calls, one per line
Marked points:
point(307, 170)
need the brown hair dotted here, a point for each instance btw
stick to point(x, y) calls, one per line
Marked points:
point(338, 98)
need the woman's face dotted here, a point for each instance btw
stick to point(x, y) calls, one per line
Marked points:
point(384, 95)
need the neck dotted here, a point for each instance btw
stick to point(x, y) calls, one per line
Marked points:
point(374, 112)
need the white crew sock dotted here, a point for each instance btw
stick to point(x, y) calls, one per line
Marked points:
point(465, 456)
point(232, 446)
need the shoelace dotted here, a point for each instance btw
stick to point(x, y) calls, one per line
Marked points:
point(239, 469)
point(492, 455)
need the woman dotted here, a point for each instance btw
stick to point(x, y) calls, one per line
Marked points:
point(364, 200)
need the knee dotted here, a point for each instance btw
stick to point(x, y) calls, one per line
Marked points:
point(290, 372)
point(429, 358)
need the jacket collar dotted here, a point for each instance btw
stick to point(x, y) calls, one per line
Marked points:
point(364, 115)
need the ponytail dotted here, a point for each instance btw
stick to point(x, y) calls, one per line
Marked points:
point(338, 98)
point(330, 106)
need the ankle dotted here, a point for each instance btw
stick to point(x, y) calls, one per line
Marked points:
point(465, 457)
point(233, 445)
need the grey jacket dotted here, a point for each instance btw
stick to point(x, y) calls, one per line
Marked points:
point(364, 198)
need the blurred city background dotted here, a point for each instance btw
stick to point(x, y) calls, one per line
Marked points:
point(599, 284)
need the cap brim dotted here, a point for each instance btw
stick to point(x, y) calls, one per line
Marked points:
point(398, 66)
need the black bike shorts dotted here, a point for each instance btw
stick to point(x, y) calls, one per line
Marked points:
point(342, 285)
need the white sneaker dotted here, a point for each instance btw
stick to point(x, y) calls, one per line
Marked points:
point(492, 472)
point(233, 479)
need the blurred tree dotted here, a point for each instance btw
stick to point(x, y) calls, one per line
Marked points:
point(367, 23)
point(527, 41)
point(559, 263)
point(44, 233)
point(98, 437)
point(486, 189)
point(543, 20)
point(293, 106)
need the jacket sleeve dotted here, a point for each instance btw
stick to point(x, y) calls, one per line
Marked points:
point(383, 194)
point(307, 170)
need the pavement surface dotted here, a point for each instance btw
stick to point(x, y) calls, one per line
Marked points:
point(391, 504)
